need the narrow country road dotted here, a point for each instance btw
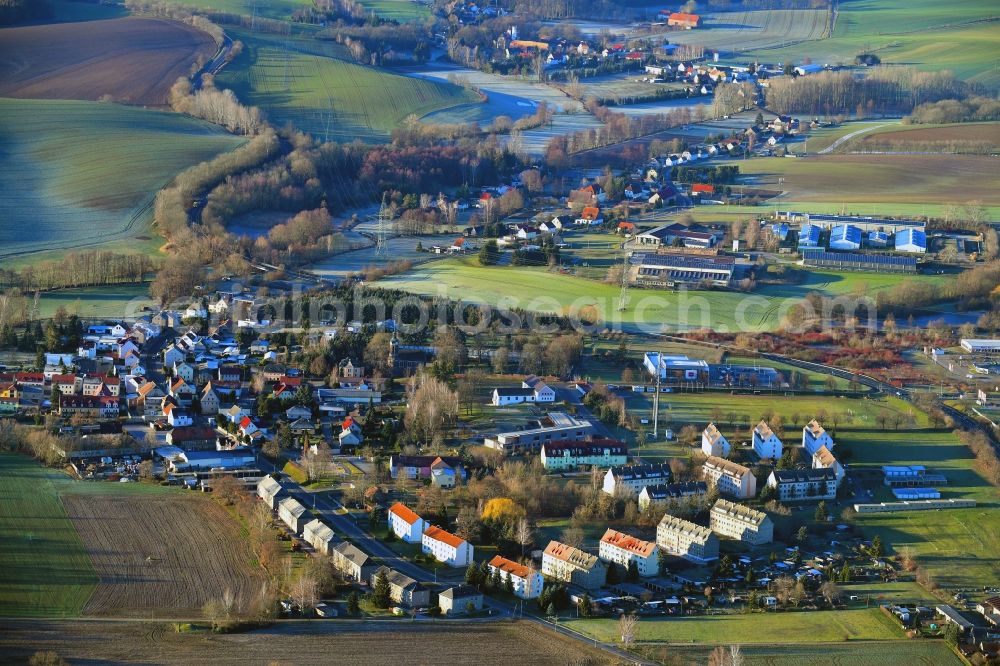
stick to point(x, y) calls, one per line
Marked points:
point(847, 137)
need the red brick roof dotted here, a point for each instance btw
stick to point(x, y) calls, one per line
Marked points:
point(509, 566)
point(404, 512)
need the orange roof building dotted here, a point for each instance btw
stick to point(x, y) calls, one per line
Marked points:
point(446, 547)
point(527, 582)
point(683, 20)
point(624, 549)
point(406, 524)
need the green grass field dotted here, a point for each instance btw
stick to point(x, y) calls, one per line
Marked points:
point(923, 33)
point(274, 9)
point(403, 11)
point(854, 653)
point(958, 548)
point(113, 301)
point(539, 290)
point(79, 175)
point(44, 568)
point(333, 99)
point(790, 628)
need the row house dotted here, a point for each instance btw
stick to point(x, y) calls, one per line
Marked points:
point(92, 406)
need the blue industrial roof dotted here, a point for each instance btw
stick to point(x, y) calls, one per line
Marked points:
point(914, 237)
point(809, 235)
point(872, 259)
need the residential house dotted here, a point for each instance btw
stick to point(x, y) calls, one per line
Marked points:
point(209, 401)
point(403, 590)
point(527, 582)
point(824, 459)
point(446, 547)
point(730, 478)
point(352, 561)
point(173, 355)
point(590, 216)
point(347, 369)
point(350, 433)
point(565, 455)
point(297, 412)
point(459, 600)
point(319, 535)
point(740, 522)
point(713, 443)
point(184, 371)
point(574, 566)
point(667, 492)
point(235, 414)
point(623, 549)
point(293, 514)
point(270, 491)
point(443, 471)
point(628, 480)
point(406, 524)
point(765, 443)
point(182, 392)
point(804, 484)
point(815, 436)
point(685, 539)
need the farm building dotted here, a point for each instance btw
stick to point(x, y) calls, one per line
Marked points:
point(845, 237)
point(673, 234)
point(741, 522)
point(459, 600)
point(595, 453)
point(293, 514)
point(865, 223)
point(780, 230)
point(878, 239)
point(854, 261)
point(572, 565)
point(352, 561)
point(683, 20)
point(270, 490)
point(527, 582)
point(806, 70)
point(670, 270)
point(665, 492)
point(403, 589)
point(911, 240)
point(319, 535)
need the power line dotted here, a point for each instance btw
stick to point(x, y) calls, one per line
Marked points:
point(623, 295)
point(383, 228)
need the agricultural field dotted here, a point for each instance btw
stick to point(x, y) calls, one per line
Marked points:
point(743, 31)
point(830, 138)
point(854, 653)
point(618, 86)
point(44, 566)
point(273, 9)
point(404, 11)
point(113, 301)
point(397, 249)
point(926, 34)
point(371, 643)
point(333, 99)
point(775, 628)
point(83, 174)
point(875, 184)
point(192, 555)
point(957, 548)
point(973, 138)
point(129, 60)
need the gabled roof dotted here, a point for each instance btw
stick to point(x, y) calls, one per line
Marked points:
point(510, 567)
point(571, 555)
point(629, 543)
point(712, 433)
point(825, 457)
point(438, 534)
point(740, 512)
point(404, 512)
point(590, 213)
point(726, 466)
point(763, 430)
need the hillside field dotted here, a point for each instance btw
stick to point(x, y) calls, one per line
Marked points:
point(979, 138)
point(83, 174)
point(131, 60)
point(333, 99)
point(926, 34)
point(852, 653)
point(756, 29)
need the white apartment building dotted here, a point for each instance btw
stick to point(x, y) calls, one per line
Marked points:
point(730, 478)
point(815, 436)
point(595, 453)
point(765, 443)
point(572, 565)
point(631, 479)
point(737, 521)
point(686, 539)
point(406, 524)
point(713, 443)
point(804, 484)
point(824, 459)
point(527, 582)
point(445, 547)
point(622, 549)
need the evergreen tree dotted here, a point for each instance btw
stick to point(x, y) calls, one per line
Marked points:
point(632, 573)
point(382, 594)
point(612, 577)
point(353, 603)
point(508, 584)
point(496, 582)
point(472, 576)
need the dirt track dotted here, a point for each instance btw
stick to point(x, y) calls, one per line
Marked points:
point(319, 642)
point(131, 60)
point(161, 555)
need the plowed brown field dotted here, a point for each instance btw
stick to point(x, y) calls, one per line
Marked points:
point(161, 555)
point(131, 60)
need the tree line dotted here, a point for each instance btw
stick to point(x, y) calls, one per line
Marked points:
point(79, 269)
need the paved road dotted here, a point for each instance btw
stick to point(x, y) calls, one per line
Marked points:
point(328, 509)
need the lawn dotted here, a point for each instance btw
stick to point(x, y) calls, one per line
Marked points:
point(958, 548)
point(81, 175)
point(925, 34)
point(855, 653)
point(333, 99)
point(806, 627)
point(403, 11)
point(44, 568)
point(274, 9)
point(112, 302)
